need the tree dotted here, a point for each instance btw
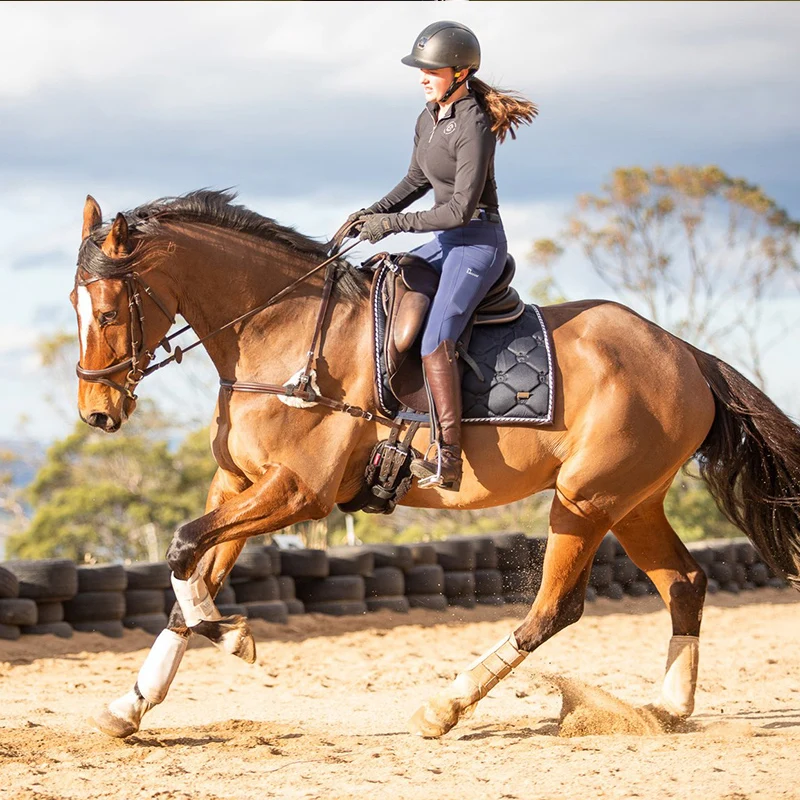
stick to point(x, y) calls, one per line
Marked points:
point(692, 248)
point(692, 511)
point(109, 498)
point(13, 514)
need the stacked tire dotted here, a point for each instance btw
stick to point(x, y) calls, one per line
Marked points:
point(43, 588)
point(99, 606)
point(601, 577)
point(323, 593)
point(255, 585)
point(146, 585)
point(14, 611)
point(488, 578)
point(521, 576)
point(734, 566)
point(425, 579)
point(456, 557)
point(384, 585)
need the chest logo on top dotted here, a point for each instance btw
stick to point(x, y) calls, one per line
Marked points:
point(449, 128)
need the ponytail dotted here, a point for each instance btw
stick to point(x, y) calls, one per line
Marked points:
point(507, 110)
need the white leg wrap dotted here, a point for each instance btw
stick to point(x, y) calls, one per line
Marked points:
point(443, 711)
point(680, 678)
point(159, 668)
point(489, 669)
point(196, 603)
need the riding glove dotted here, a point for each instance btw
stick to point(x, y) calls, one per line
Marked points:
point(354, 230)
point(377, 226)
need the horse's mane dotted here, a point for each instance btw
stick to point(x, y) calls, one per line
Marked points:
point(215, 208)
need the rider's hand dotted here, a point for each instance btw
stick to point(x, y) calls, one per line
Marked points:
point(377, 226)
point(354, 230)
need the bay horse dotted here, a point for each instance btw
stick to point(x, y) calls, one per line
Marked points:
point(632, 404)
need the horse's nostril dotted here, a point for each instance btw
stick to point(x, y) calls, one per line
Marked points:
point(97, 420)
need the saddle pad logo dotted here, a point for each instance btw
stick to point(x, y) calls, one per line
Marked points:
point(451, 126)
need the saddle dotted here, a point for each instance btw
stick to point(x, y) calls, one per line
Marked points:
point(404, 289)
point(507, 347)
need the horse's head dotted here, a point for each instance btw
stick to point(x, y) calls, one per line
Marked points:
point(124, 308)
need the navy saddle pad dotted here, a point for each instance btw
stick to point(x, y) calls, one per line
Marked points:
point(516, 362)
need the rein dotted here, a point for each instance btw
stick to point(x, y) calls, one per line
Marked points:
point(301, 390)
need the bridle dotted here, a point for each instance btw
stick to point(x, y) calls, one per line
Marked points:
point(302, 389)
point(139, 353)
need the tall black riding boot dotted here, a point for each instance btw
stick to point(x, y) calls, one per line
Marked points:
point(443, 379)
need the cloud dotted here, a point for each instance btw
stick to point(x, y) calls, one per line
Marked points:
point(305, 108)
point(274, 99)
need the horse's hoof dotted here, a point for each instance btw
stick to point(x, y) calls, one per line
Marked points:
point(239, 642)
point(468, 711)
point(231, 635)
point(112, 725)
point(435, 718)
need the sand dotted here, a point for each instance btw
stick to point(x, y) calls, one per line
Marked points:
point(323, 711)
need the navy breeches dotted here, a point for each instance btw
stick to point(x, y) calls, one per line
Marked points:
point(469, 260)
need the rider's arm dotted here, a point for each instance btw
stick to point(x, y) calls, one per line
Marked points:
point(474, 150)
point(410, 189)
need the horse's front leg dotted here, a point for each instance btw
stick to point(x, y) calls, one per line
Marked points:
point(278, 499)
point(214, 561)
point(123, 716)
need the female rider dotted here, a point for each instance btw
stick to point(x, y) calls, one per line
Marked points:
point(453, 154)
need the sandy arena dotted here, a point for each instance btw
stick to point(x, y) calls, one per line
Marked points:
point(322, 713)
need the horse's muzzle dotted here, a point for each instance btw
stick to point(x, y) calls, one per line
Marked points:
point(103, 421)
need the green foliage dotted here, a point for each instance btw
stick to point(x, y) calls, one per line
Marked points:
point(691, 510)
point(110, 497)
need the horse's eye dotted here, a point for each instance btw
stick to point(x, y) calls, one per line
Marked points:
point(107, 316)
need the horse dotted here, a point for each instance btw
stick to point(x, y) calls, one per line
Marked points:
point(633, 403)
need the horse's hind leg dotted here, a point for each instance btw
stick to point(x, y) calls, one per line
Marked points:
point(654, 547)
point(576, 529)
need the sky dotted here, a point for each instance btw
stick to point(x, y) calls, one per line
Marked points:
point(305, 109)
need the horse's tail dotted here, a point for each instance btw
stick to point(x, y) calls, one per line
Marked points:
point(751, 462)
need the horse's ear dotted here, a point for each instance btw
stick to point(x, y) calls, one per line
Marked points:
point(116, 243)
point(92, 216)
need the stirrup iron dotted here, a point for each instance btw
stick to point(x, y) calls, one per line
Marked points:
point(436, 478)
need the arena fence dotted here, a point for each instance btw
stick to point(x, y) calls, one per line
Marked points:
point(56, 596)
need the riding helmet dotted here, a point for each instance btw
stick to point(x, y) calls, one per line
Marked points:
point(445, 44)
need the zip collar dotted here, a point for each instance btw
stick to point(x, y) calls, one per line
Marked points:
point(433, 108)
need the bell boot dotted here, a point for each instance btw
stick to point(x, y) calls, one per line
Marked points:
point(443, 379)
